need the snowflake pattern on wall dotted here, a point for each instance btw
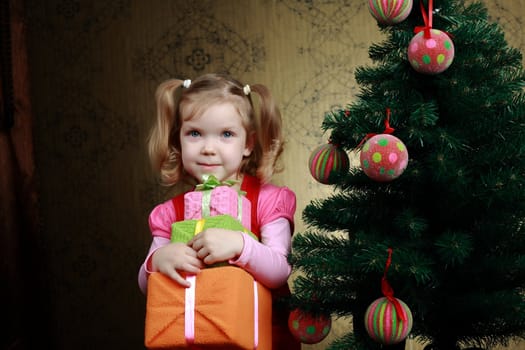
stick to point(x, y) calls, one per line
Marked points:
point(330, 83)
point(199, 42)
point(84, 136)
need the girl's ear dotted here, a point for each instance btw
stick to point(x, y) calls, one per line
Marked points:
point(250, 144)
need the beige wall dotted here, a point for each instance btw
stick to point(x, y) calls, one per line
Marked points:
point(95, 66)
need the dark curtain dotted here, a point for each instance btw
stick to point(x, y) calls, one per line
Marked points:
point(24, 298)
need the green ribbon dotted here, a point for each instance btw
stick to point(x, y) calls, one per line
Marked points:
point(209, 182)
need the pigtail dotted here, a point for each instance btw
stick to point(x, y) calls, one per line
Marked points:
point(269, 134)
point(163, 155)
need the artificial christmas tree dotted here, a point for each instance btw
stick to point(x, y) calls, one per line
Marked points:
point(453, 218)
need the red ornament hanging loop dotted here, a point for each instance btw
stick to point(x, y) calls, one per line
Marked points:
point(388, 129)
point(426, 18)
point(388, 292)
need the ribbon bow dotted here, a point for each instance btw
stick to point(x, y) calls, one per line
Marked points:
point(209, 182)
point(388, 292)
point(427, 19)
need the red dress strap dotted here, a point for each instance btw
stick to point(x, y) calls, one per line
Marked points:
point(178, 204)
point(252, 186)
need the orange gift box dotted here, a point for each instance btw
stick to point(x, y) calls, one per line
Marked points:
point(219, 312)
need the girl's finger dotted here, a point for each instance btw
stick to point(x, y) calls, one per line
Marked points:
point(202, 253)
point(174, 275)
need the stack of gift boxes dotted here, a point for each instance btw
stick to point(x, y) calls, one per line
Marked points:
point(225, 307)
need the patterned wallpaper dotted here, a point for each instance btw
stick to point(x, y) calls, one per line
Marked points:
point(94, 69)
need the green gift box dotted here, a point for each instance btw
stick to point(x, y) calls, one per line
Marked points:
point(183, 231)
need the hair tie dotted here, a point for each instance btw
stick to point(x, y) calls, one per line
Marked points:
point(246, 89)
point(186, 83)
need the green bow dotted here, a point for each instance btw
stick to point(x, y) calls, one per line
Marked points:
point(209, 182)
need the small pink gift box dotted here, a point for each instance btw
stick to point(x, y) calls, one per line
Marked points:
point(222, 200)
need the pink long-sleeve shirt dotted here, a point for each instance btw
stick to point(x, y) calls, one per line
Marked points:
point(265, 260)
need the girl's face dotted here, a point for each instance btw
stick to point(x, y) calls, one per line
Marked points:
point(214, 143)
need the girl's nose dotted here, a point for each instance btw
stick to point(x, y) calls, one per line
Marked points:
point(208, 147)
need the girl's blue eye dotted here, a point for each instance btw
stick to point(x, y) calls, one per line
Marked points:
point(227, 134)
point(194, 133)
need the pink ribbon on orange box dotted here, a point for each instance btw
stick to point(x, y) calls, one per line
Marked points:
point(189, 313)
point(189, 307)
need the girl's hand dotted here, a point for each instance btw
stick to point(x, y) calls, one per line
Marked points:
point(175, 257)
point(216, 245)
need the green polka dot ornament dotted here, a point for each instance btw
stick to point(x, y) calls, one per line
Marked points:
point(431, 55)
point(384, 157)
point(308, 329)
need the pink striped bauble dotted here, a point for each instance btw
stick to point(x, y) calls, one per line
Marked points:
point(326, 159)
point(382, 322)
point(390, 11)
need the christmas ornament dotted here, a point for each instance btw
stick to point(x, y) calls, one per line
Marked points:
point(388, 320)
point(384, 157)
point(384, 321)
point(431, 54)
point(430, 51)
point(326, 159)
point(308, 329)
point(390, 11)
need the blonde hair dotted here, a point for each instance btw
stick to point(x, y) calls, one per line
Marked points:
point(176, 104)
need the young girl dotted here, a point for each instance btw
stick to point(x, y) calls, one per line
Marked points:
point(209, 127)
